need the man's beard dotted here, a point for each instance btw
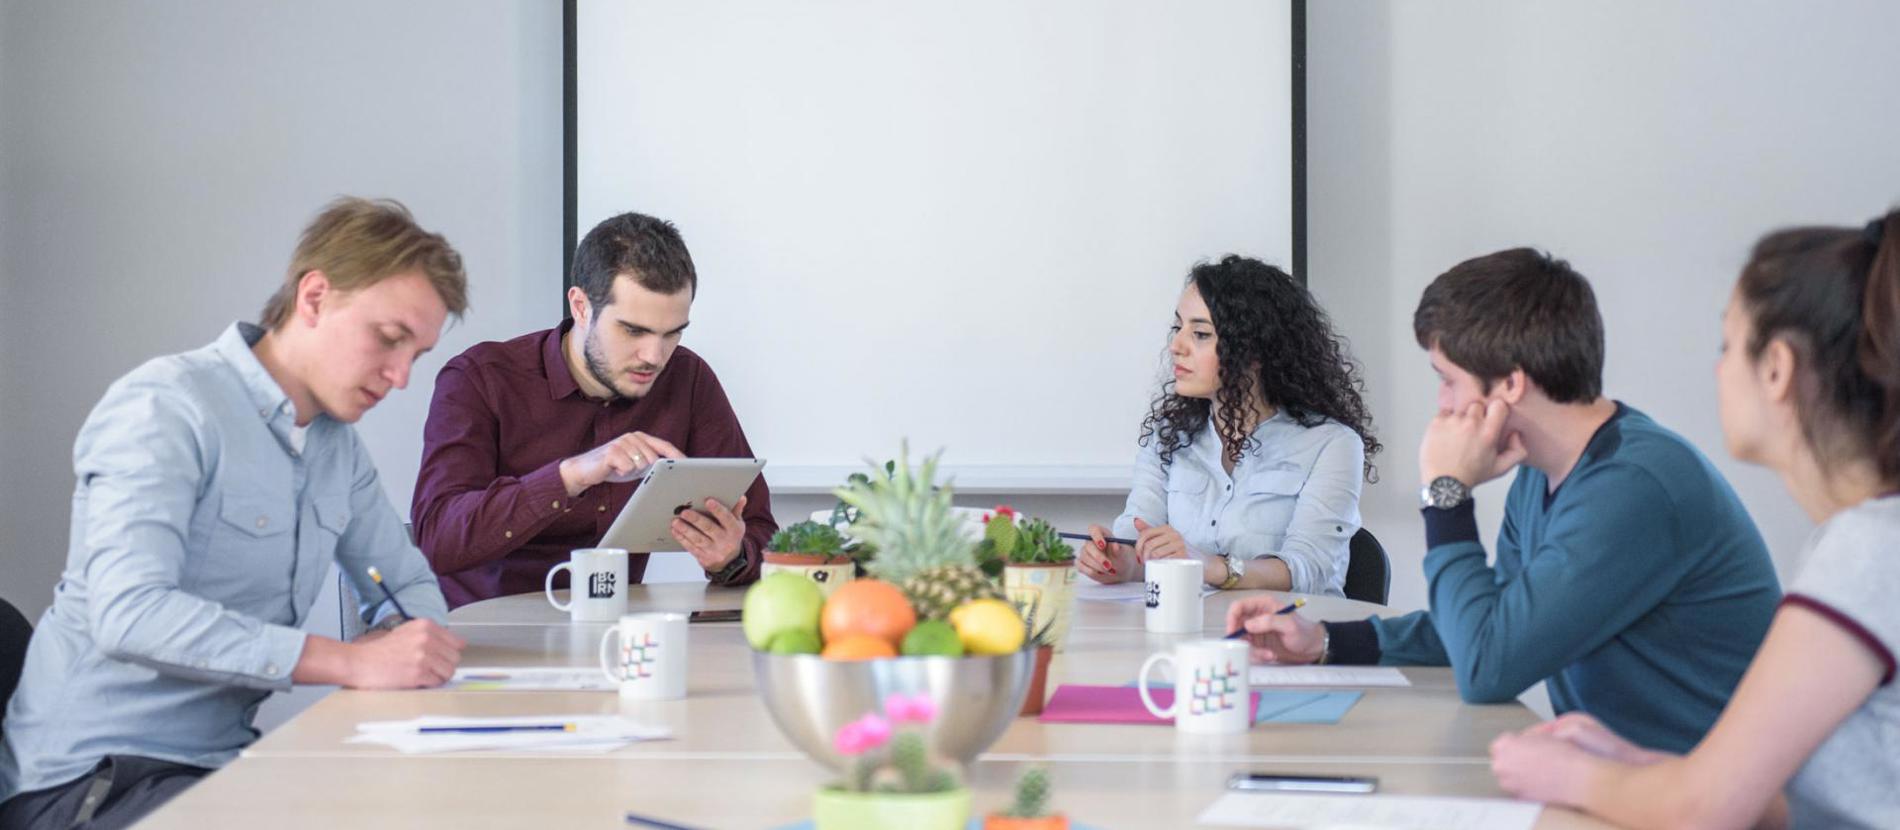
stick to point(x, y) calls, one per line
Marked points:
point(596, 361)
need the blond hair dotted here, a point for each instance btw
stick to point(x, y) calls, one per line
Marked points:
point(360, 242)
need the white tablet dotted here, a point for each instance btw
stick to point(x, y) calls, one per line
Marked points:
point(670, 486)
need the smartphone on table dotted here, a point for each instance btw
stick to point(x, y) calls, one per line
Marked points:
point(1286, 783)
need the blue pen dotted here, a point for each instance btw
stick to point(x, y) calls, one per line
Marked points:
point(1291, 607)
point(377, 577)
point(643, 821)
point(1084, 537)
point(489, 730)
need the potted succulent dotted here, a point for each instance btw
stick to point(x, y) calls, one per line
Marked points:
point(1037, 567)
point(1031, 809)
point(892, 781)
point(811, 549)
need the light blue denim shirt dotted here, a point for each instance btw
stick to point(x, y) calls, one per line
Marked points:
point(1295, 497)
point(200, 539)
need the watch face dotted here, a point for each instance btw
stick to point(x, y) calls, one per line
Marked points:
point(1446, 492)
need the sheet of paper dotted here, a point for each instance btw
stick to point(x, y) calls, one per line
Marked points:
point(1326, 676)
point(1367, 811)
point(1120, 591)
point(517, 679)
point(591, 733)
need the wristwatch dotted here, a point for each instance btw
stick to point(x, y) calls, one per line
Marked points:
point(1236, 566)
point(1444, 493)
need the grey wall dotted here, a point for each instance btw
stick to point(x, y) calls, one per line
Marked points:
point(157, 160)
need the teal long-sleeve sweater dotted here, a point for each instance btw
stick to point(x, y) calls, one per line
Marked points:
point(1640, 590)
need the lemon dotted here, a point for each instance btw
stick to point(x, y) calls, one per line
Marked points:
point(932, 638)
point(988, 626)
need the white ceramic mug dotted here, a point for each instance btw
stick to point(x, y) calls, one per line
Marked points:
point(1174, 595)
point(650, 663)
point(1210, 687)
point(597, 585)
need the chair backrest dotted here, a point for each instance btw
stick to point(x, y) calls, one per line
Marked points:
point(1368, 571)
point(15, 633)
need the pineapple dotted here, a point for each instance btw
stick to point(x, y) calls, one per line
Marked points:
point(921, 547)
point(935, 592)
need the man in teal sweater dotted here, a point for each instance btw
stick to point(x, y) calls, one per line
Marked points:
point(1628, 575)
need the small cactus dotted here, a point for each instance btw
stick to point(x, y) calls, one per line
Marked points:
point(1032, 794)
point(912, 761)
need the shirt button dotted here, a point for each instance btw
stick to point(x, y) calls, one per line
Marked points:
point(557, 504)
point(1230, 486)
point(602, 508)
point(263, 413)
point(271, 669)
point(263, 522)
point(507, 534)
point(1215, 522)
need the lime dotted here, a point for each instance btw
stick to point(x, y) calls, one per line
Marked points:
point(988, 626)
point(794, 641)
point(932, 638)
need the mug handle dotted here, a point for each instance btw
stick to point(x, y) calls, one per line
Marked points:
point(1141, 685)
point(606, 655)
point(548, 587)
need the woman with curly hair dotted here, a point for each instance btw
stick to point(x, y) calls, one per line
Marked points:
point(1252, 455)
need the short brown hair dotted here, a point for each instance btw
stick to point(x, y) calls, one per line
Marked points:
point(360, 242)
point(635, 245)
point(1517, 309)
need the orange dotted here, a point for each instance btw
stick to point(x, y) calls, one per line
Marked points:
point(867, 606)
point(858, 647)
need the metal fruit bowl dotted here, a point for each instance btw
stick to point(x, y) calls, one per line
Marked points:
point(811, 697)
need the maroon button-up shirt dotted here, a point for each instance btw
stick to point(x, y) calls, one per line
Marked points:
point(490, 511)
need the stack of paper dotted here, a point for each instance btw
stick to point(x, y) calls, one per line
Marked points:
point(588, 733)
point(1121, 591)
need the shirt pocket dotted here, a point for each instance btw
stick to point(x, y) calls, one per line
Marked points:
point(1187, 495)
point(333, 516)
point(250, 552)
point(1269, 501)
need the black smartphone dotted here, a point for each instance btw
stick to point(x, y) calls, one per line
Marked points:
point(1280, 782)
point(726, 615)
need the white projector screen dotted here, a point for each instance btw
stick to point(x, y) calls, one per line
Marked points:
point(961, 222)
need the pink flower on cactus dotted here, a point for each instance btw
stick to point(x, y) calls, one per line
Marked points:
point(910, 709)
point(862, 735)
point(1006, 510)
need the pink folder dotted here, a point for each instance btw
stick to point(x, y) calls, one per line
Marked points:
point(1111, 704)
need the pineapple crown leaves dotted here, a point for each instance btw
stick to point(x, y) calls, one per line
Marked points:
point(1030, 610)
point(808, 537)
point(1032, 794)
point(908, 519)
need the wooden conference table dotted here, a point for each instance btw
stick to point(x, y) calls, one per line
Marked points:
point(728, 766)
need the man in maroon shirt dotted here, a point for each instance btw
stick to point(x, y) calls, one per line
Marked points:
point(535, 444)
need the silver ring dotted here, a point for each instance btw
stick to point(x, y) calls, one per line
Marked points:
point(639, 460)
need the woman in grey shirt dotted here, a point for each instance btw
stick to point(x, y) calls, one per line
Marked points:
point(1809, 384)
point(1253, 453)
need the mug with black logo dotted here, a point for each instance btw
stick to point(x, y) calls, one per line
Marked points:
point(597, 589)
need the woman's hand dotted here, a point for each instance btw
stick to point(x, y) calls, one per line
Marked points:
point(1105, 561)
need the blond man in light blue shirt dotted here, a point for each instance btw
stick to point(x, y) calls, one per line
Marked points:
point(215, 489)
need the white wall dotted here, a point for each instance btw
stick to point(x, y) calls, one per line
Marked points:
point(156, 162)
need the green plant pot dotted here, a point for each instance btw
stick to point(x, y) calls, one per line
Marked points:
point(842, 810)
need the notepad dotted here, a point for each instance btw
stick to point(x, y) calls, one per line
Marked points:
point(535, 679)
point(591, 733)
point(1109, 704)
point(1398, 812)
point(1326, 676)
point(1293, 705)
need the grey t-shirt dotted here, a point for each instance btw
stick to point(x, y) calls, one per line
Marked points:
point(1851, 575)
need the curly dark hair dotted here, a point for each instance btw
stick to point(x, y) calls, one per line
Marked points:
point(1267, 323)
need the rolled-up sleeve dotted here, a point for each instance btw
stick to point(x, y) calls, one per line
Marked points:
point(140, 460)
point(1325, 517)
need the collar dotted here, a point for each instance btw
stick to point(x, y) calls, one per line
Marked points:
point(234, 348)
point(554, 363)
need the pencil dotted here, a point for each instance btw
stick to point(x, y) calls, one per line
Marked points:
point(1290, 608)
point(377, 577)
point(1084, 537)
point(484, 730)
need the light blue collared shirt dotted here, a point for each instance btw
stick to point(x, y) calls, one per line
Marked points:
point(1295, 498)
point(200, 538)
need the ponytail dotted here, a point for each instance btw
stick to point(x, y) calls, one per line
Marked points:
point(1878, 348)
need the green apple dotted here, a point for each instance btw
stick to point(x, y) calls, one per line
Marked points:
point(781, 601)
